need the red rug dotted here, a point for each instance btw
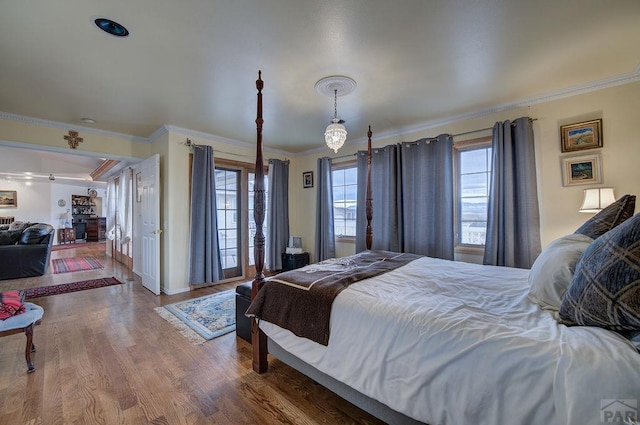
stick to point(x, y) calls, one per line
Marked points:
point(64, 288)
point(75, 264)
point(78, 245)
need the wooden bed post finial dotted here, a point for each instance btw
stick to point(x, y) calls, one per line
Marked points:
point(368, 201)
point(258, 338)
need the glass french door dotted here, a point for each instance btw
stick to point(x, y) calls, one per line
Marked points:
point(228, 204)
point(236, 224)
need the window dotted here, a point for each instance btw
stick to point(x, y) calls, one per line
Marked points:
point(473, 182)
point(345, 200)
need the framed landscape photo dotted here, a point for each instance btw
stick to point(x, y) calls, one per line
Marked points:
point(581, 170)
point(8, 198)
point(307, 179)
point(581, 136)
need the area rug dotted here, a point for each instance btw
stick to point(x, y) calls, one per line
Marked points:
point(79, 245)
point(45, 291)
point(75, 264)
point(210, 316)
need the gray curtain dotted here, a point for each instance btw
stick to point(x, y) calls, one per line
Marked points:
point(325, 245)
point(412, 191)
point(386, 193)
point(278, 214)
point(427, 197)
point(513, 222)
point(205, 265)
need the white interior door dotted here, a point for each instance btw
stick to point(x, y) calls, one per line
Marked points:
point(151, 231)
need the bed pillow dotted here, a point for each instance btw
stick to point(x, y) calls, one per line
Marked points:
point(552, 272)
point(605, 290)
point(609, 217)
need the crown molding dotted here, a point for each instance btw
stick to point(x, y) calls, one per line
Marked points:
point(64, 126)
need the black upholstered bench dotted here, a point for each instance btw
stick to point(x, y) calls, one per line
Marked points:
point(243, 299)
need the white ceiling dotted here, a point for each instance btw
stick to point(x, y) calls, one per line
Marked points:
point(193, 63)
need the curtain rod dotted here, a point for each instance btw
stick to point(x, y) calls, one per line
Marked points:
point(190, 144)
point(434, 138)
point(484, 129)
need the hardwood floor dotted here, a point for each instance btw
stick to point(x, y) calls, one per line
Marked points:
point(104, 356)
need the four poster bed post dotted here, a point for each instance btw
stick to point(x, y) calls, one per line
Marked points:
point(258, 338)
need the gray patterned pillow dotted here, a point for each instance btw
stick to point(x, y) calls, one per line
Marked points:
point(609, 217)
point(605, 290)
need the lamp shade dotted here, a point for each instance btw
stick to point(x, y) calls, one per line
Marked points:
point(595, 200)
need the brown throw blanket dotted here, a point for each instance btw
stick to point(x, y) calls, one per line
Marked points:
point(300, 300)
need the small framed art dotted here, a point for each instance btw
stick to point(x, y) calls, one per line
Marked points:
point(581, 136)
point(581, 170)
point(307, 179)
point(8, 198)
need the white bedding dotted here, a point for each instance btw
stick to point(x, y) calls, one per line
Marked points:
point(455, 343)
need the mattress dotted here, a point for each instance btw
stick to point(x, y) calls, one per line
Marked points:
point(448, 342)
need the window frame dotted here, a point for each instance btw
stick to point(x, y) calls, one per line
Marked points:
point(458, 147)
point(341, 166)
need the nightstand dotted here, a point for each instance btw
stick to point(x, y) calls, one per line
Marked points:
point(294, 261)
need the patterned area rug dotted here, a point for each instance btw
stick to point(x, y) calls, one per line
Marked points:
point(64, 288)
point(75, 264)
point(210, 316)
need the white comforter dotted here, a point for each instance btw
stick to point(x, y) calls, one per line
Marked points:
point(455, 343)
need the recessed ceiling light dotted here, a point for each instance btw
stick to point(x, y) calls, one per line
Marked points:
point(111, 27)
point(88, 120)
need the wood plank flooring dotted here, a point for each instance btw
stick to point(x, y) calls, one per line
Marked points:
point(104, 356)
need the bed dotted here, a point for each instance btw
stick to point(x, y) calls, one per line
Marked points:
point(443, 342)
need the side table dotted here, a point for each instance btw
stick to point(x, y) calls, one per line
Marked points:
point(294, 261)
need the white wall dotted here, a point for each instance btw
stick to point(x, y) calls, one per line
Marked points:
point(34, 201)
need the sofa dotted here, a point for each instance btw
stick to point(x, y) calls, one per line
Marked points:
point(25, 249)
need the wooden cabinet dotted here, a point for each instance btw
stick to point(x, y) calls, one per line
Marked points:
point(96, 229)
point(66, 235)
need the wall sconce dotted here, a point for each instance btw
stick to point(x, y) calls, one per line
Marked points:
point(595, 200)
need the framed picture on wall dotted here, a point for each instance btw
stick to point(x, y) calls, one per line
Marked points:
point(581, 170)
point(581, 136)
point(8, 198)
point(307, 179)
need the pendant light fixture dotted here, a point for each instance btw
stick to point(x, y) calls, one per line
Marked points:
point(336, 134)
